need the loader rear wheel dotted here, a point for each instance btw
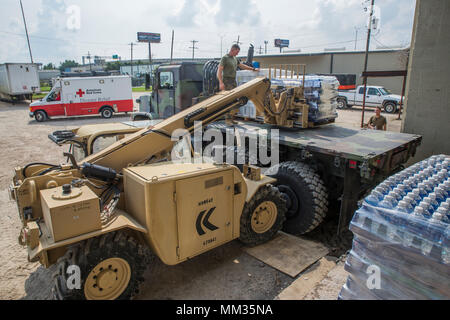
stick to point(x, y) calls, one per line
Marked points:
point(306, 195)
point(110, 267)
point(263, 216)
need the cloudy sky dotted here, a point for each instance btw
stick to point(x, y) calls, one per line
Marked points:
point(68, 29)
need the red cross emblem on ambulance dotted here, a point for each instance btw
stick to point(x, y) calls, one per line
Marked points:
point(81, 93)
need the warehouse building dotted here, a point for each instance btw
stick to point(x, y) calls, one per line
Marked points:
point(343, 62)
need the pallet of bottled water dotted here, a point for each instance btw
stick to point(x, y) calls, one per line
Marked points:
point(401, 237)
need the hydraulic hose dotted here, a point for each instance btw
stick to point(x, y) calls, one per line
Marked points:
point(36, 164)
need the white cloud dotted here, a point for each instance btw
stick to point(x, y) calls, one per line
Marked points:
point(107, 27)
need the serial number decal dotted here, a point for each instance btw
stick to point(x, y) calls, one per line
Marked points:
point(205, 202)
point(207, 242)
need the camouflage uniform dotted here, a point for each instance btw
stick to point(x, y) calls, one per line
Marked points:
point(229, 64)
point(230, 83)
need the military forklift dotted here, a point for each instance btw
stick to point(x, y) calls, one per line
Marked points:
point(105, 214)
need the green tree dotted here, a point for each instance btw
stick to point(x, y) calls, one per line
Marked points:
point(112, 66)
point(50, 66)
point(68, 64)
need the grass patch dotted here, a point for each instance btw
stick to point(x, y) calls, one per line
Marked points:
point(141, 89)
point(46, 89)
point(39, 96)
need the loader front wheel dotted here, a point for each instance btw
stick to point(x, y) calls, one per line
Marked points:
point(109, 267)
point(306, 195)
point(263, 216)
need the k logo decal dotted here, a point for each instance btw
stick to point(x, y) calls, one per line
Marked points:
point(205, 222)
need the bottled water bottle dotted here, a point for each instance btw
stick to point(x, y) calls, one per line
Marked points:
point(425, 186)
point(374, 198)
point(412, 183)
point(444, 213)
point(440, 194)
point(411, 199)
point(389, 202)
point(382, 189)
point(426, 209)
point(433, 201)
point(396, 195)
point(415, 194)
point(422, 192)
point(415, 227)
point(404, 206)
point(399, 191)
point(446, 246)
point(445, 209)
point(403, 188)
point(428, 201)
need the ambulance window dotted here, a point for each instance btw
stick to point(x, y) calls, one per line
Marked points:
point(166, 80)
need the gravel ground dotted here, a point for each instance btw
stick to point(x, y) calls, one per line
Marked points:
point(224, 273)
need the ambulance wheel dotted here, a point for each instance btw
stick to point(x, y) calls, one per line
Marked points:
point(40, 116)
point(263, 216)
point(107, 113)
point(110, 267)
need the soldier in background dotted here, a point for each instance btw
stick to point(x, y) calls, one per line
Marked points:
point(228, 67)
point(377, 122)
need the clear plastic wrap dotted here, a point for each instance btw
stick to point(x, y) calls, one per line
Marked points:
point(321, 93)
point(403, 229)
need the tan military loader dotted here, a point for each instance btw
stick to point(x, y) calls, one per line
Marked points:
point(98, 218)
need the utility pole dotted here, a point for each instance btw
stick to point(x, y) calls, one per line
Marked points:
point(356, 37)
point(265, 44)
point(193, 48)
point(149, 56)
point(131, 44)
point(238, 42)
point(171, 47)
point(89, 58)
point(221, 44)
point(366, 61)
point(260, 49)
point(26, 31)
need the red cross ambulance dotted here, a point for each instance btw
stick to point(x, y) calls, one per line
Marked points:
point(85, 96)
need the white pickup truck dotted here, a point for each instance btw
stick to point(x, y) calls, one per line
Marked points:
point(375, 97)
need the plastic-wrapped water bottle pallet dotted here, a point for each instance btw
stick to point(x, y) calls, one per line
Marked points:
point(396, 281)
point(356, 289)
point(371, 223)
point(406, 263)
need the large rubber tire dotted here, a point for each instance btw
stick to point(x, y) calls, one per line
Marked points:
point(306, 194)
point(90, 253)
point(107, 112)
point(40, 116)
point(342, 103)
point(390, 107)
point(266, 195)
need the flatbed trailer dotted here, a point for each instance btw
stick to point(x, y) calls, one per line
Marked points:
point(349, 161)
